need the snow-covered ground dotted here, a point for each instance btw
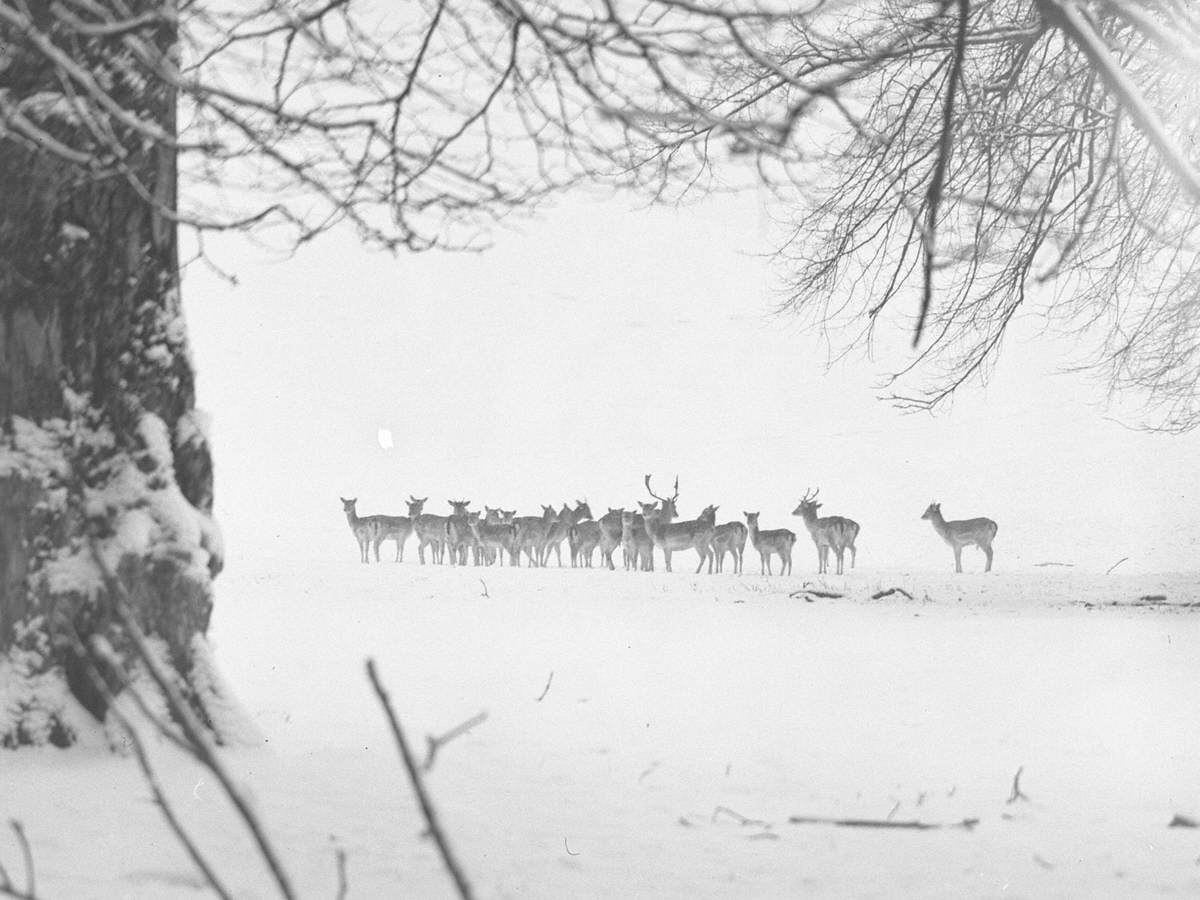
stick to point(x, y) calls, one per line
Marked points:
point(651, 735)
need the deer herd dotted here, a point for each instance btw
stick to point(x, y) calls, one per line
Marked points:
point(497, 535)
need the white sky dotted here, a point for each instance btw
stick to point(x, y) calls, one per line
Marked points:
point(604, 342)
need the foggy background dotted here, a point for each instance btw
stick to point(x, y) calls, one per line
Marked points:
point(600, 341)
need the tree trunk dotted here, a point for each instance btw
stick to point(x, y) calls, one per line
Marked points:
point(102, 454)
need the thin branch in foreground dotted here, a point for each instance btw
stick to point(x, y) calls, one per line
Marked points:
point(546, 689)
point(96, 652)
point(193, 731)
point(343, 889)
point(1178, 821)
point(436, 743)
point(414, 777)
point(965, 824)
point(879, 595)
point(1017, 793)
point(6, 886)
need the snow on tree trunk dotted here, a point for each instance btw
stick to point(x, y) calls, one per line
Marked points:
point(101, 449)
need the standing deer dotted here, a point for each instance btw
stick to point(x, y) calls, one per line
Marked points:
point(584, 538)
point(374, 530)
point(670, 536)
point(430, 530)
point(637, 546)
point(459, 539)
point(561, 529)
point(494, 538)
point(963, 533)
point(837, 532)
point(532, 532)
point(729, 538)
point(364, 530)
point(780, 541)
point(610, 535)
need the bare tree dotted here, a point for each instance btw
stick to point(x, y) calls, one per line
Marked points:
point(958, 152)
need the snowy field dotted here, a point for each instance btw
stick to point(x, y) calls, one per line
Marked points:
point(652, 735)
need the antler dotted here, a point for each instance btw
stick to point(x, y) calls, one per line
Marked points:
point(663, 499)
point(807, 499)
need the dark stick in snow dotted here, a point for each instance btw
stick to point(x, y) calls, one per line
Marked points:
point(546, 689)
point(1017, 793)
point(879, 595)
point(414, 776)
point(966, 824)
point(1114, 565)
point(824, 595)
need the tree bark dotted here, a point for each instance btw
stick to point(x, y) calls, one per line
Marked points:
point(102, 452)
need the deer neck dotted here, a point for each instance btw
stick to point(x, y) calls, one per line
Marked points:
point(352, 517)
point(938, 521)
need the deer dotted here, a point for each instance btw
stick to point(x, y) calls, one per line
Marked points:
point(835, 532)
point(963, 533)
point(636, 544)
point(779, 541)
point(584, 538)
point(430, 530)
point(532, 532)
point(376, 529)
point(610, 535)
point(494, 538)
point(364, 529)
point(729, 538)
point(561, 529)
point(458, 532)
point(397, 528)
point(670, 536)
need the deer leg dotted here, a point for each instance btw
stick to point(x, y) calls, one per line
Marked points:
point(987, 548)
point(957, 558)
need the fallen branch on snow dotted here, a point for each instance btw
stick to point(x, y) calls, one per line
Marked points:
point(1044, 565)
point(738, 817)
point(546, 689)
point(1017, 793)
point(1114, 565)
point(813, 592)
point(879, 595)
point(966, 824)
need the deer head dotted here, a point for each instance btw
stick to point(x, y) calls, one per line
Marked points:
point(933, 511)
point(459, 506)
point(415, 506)
point(668, 508)
point(348, 505)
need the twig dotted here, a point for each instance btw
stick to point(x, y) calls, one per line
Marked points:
point(892, 811)
point(485, 594)
point(435, 743)
point(1044, 565)
point(966, 824)
point(1179, 821)
point(1114, 565)
point(738, 817)
point(546, 689)
point(193, 731)
point(414, 777)
point(879, 595)
point(570, 852)
point(824, 595)
point(1017, 793)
